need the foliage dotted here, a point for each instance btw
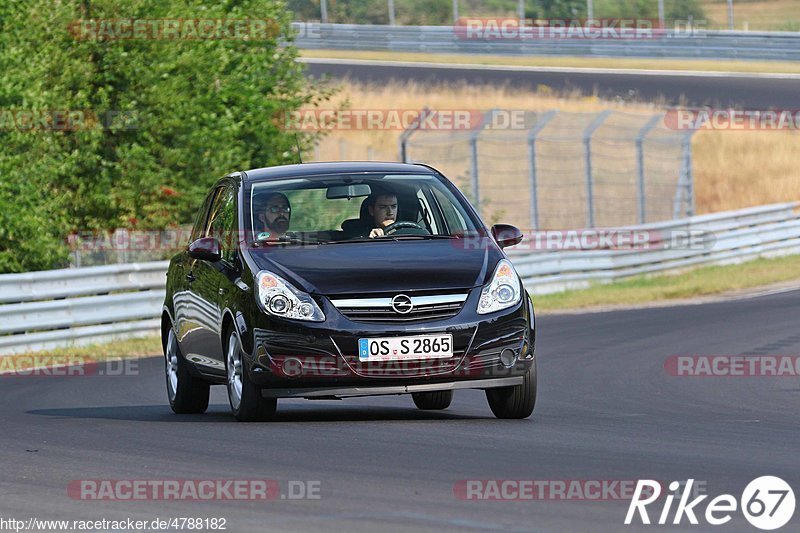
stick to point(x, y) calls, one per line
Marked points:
point(162, 119)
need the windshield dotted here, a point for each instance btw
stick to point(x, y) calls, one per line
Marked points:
point(348, 208)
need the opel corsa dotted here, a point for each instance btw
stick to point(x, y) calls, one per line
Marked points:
point(336, 280)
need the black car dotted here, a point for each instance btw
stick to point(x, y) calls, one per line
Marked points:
point(334, 280)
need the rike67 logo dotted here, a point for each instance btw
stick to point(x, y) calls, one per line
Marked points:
point(767, 503)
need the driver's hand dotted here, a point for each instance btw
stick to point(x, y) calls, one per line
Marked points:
point(376, 232)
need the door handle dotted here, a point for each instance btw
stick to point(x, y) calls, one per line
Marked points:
point(190, 277)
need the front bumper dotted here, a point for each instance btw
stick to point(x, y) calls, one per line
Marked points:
point(321, 359)
point(334, 393)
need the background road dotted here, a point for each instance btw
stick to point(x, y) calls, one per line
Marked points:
point(691, 89)
point(607, 410)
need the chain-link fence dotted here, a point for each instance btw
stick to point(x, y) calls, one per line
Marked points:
point(564, 169)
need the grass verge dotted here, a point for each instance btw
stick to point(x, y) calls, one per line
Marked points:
point(121, 349)
point(704, 281)
point(774, 67)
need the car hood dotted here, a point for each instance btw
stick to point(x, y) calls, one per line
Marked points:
point(382, 266)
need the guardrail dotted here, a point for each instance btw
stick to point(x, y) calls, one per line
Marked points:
point(54, 308)
point(697, 44)
point(721, 238)
point(42, 310)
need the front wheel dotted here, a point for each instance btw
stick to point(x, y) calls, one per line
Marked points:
point(433, 401)
point(247, 403)
point(186, 393)
point(516, 401)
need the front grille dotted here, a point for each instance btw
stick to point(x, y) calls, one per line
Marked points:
point(380, 310)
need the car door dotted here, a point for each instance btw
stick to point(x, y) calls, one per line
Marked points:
point(182, 278)
point(208, 278)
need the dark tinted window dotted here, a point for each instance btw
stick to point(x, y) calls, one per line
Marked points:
point(222, 222)
point(199, 227)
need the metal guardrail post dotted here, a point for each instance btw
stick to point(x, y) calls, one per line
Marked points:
point(547, 117)
point(473, 145)
point(640, 163)
point(406, 135)
point(684, 192)
point(687, 147)
point(587, 151)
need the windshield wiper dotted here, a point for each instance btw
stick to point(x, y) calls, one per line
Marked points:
point(285, 240)
point(395, 238)
point(426, 237)
point(363, 239)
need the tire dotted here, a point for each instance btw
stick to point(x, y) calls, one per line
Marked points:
point(186, 393)
point(433, 401)
point(247, 403)
point(516, 401)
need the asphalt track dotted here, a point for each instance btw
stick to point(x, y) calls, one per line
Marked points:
point(671, 88)
point(607, 411)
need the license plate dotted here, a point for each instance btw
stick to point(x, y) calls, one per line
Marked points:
point(402, 348)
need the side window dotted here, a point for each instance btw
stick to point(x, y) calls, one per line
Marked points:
point(222, 222)
point(453, 217)
point(425, 211)
point(198, 229)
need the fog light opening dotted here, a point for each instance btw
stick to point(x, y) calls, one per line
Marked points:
point(292, 367)
point(508, 357)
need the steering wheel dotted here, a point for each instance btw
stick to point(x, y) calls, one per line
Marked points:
point(401, 224)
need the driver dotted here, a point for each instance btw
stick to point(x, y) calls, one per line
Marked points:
point(275, 217)
point(382, 207)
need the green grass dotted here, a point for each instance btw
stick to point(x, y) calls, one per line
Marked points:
point(704, 281)
point(122, 349)
point(784, 67)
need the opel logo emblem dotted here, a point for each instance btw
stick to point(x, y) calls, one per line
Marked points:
point(402, 304)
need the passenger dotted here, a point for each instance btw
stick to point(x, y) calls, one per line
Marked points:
point(275, 218)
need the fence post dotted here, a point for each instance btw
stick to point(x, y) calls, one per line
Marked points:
point(684, 192)
point(473, 145)
point(640, 163)
point(406, 135)
point(687, 154)
point(547, 117)
point(587, 152)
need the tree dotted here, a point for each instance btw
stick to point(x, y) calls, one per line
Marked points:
point(157, 120)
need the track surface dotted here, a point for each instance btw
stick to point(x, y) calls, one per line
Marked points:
point(607, 411)
point(691, 90)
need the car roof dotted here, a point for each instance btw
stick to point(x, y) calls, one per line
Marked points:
point(347, 167)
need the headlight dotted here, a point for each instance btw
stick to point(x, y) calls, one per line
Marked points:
point(502, 292)
point(278, 298)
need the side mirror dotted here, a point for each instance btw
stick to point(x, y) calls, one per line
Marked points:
point(206, 249)
point(506, 235)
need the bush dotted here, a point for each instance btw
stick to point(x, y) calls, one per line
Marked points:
point(174, 117)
